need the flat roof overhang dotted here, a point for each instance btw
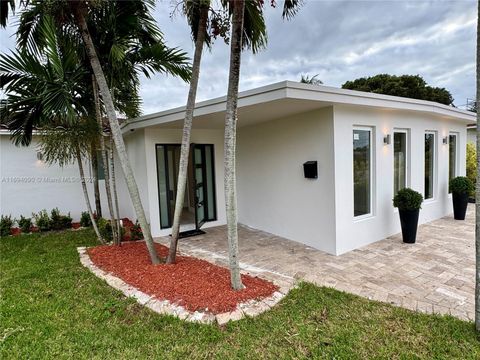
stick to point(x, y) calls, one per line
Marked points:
point(288, 98)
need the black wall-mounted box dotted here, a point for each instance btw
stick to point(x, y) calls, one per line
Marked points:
point(310, 169)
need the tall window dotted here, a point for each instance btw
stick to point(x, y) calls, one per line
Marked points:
point(362, 171)
point(452, 156)
point(399, 160)
point(429, 164)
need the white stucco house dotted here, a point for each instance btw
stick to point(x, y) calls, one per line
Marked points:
point(315, 164)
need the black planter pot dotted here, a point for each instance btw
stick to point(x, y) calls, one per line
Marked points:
point(460, 203)
point(409, 223)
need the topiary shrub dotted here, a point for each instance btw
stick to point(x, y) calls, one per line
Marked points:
point(461, 185)
point(6, 223)
point(408, 199)
point(25, 224)
point(85, 220)
point(42, 220)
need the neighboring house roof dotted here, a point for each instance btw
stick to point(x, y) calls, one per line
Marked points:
point(4, 130)
point(287, 98)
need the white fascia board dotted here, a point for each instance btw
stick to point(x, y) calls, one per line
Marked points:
point(352, 97)
point(295, 90)
point(245, 98)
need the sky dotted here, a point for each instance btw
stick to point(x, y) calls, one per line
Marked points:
point(338, 40)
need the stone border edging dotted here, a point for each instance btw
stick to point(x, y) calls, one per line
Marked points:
point(165, 307)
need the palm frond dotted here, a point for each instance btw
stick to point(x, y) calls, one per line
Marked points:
point(5, 5)
point(290, 8)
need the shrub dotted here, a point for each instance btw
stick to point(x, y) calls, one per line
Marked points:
point(136, 232)
point(25, 224)
point(59, 221)
point(408, 199)
point(55, 219)
point(42, 220)
point(461, 185)
point(85, 220)
point(6, 223)
point(105, 229)
point(472, 165)
point(66, 221)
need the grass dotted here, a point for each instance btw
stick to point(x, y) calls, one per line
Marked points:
point(52, 307)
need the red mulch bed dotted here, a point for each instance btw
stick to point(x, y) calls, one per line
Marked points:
point(193, 283)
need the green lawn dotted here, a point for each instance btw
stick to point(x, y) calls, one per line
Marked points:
point(52, 307)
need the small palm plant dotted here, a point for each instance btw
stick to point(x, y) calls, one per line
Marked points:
point(306, 79)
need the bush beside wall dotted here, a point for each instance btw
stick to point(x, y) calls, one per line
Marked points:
point(472, 165)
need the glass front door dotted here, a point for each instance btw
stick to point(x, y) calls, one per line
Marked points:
point(200, 203)
point(198, 154)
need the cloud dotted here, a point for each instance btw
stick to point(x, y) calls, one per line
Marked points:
point(340, 41)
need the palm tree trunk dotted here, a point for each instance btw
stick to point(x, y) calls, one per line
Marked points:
point(116, 132)
point(477, 189)
point(187, 127)
point(230, 143)
point(114, 188)
point(106, 171)
point(85, 194)
point(96, 189)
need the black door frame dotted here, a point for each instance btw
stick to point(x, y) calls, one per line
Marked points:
point(204, 179)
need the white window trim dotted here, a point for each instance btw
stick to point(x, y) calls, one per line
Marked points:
point(435, 165)
point(407, 157)
point(457, 153)
point(371, 214)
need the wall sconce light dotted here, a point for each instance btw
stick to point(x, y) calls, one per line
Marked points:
point(39, 156)
point(386, 139)
point(445, 140)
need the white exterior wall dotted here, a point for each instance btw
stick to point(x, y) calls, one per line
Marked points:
point(273, 194)
point(29, 185)
point(135, 144)
point(174, 136)
point(384, 222)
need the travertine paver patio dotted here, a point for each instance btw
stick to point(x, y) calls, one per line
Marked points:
point(436, 274)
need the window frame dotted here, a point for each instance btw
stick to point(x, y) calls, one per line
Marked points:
point(371, 131)
point(457, 155)
point(435, 165)
point(407, 156)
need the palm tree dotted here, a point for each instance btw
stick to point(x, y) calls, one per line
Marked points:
point(126, 45)
point(96, 187)
point(68, 144)
point(248, 30)
point(71, 17)
point(98, 115)
point(196, 12)
point(4, 6)
point(477, 190)
point(79, 12)
point(306, 79)
point(49, 95)
point(230, 142)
